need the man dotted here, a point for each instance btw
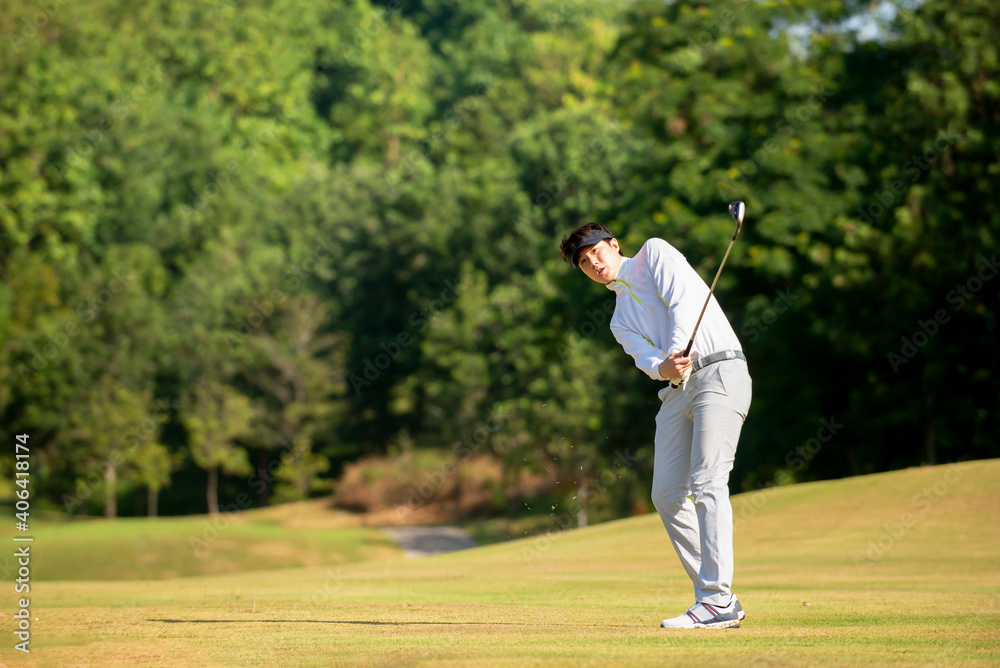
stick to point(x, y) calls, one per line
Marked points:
point(659, 296)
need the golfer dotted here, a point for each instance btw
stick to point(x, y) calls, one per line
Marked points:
point(658, 299)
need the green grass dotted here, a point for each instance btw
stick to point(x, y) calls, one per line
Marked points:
point(295, 535)
point(586, 597)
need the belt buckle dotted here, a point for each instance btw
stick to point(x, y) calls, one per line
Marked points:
point(730, 354)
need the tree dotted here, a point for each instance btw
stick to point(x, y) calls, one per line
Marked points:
point(216, 416)
point(299, 372)
point(276, 196)
point(114, 434)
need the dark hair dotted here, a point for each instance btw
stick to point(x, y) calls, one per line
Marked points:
point(571, 243)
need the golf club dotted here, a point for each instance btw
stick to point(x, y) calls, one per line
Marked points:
point(736, 209)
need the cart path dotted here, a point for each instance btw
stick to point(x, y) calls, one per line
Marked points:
point(425, 541)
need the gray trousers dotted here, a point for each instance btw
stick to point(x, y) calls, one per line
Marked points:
point(697, 428)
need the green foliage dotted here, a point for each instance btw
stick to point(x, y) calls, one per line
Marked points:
point(215, 416)
point(322, 229)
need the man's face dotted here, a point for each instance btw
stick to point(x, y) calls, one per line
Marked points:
point(600, 261)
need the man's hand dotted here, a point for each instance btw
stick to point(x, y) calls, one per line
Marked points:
point(675, 367)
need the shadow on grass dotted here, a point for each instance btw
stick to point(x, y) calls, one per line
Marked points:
point(367, 623)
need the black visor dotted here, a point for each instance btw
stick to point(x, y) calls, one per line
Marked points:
point(593, 237)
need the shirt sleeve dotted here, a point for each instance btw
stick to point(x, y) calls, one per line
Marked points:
point(664, 265)
point(647, 356)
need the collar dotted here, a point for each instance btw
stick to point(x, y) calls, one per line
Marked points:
point(619, 284)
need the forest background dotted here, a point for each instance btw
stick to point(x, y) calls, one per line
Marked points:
point(251, 247)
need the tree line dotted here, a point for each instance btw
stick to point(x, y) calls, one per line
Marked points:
point(243, 243)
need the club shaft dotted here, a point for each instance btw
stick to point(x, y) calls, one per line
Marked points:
point(687, 351)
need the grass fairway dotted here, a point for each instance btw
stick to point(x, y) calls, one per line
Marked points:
point(298, 534)
point(900, 568)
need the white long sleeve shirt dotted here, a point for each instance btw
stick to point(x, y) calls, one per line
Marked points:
point(659, 297)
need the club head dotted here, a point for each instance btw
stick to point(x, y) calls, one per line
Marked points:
point(737, 210)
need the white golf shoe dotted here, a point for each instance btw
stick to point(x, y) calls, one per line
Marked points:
point(707, 616)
